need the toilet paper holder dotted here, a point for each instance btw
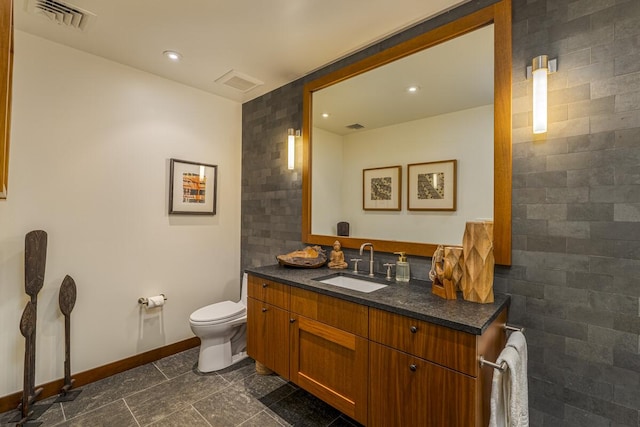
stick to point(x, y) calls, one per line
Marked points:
point(145, 301)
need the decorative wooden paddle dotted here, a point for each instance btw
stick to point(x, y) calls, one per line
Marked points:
point(67, 300)
point(27, 329)
point(35, 260)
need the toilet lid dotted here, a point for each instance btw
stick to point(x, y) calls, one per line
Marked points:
point(219, 311)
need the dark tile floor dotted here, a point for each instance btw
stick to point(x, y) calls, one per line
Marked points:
point(171, 392)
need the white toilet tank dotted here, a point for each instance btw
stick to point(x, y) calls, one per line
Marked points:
point(222, 329)
point(243, 289)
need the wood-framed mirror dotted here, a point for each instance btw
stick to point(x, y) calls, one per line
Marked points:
point(497, 17)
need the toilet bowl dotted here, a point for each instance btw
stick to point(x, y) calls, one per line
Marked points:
point(221, 328)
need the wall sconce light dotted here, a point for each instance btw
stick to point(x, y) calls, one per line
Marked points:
point(540, 68)
point(291, 147)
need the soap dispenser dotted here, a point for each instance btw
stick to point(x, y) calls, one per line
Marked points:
point(402, 268)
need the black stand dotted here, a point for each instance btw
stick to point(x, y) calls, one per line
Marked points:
point(67, 300)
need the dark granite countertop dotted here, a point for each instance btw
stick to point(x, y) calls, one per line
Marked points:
point(413, 299)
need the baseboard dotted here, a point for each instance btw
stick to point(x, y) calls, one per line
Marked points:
point(52, 388)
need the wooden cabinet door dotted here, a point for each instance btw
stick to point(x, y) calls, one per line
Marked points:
point(409, 391)
point(331, 364)
point(268, 336)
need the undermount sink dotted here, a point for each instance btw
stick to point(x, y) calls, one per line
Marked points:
point(349, 282)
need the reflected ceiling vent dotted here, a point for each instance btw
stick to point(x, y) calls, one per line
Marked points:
point(61, 13)
point(239, 81)
point(355, 126)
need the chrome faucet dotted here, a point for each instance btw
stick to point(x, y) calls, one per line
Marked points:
point(364, 245)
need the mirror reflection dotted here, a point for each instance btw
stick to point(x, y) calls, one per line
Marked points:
point(456, 128)
point(431, 106)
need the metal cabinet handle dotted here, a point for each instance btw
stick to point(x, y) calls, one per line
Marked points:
point(264, 285)
point(413, 368)
point(292, 320)
point(264, 309)
point(413, 329)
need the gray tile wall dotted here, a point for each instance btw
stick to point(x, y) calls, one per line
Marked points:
point(271, 194)
point(575, 279)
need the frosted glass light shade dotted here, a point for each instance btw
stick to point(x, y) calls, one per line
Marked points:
point(539, 73)
point(291, 149)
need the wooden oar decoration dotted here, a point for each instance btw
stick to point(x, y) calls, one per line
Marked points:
point(35, 260)
point(67, 300)
point(27, 329)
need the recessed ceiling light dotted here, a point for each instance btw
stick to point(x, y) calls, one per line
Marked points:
point(172, 55)
point(325, 115)
point(413, 89)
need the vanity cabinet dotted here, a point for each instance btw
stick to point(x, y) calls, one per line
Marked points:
point(422, 374)
point(268, 324)
point(378, 367)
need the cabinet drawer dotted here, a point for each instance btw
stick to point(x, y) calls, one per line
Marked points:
point(341, 314)
point(405, 390)
point(268, 291)
point(438, 344)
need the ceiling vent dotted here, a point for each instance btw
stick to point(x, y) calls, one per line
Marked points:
point(61, 13)
point(355, 126)
point(239, 81)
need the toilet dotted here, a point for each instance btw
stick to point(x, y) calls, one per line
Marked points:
point(222, 329)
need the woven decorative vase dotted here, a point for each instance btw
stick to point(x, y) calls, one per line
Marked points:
point(477, 243)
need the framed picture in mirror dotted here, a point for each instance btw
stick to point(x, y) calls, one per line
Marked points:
point(192, 188)
point(381, 188)
point(432, 186)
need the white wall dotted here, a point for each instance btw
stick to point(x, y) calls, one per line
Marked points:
point(327, 192)
point(90, 150)
point(464, 135)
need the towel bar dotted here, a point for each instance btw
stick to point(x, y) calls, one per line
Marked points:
point(502, 367)
point(513, 328)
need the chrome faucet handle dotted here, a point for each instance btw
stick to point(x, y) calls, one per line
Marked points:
point(355, 264)
point(389, 265)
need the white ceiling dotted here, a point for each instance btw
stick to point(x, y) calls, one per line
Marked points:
point(273, 41)
point(452, 76)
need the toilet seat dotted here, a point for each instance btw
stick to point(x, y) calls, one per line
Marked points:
point(220, 312)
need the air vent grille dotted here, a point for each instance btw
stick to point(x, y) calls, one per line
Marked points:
point(355, 126)
point(239, 81)
point(61, 13)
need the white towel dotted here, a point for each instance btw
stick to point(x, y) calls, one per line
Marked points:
point(520, 412)
point(509, 391)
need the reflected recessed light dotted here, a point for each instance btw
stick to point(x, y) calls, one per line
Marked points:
point(413, 89)
point(325, 115)
point(172, 55)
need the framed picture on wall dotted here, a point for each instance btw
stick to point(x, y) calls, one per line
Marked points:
point(432, 186)
point(381, 188)
point(192, 188)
